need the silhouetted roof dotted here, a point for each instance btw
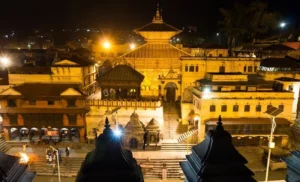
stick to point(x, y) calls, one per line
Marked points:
point(122, 73)
point(288, 79)
point(156, 51)
point(280, 63)
point(216, 159)
point(109, 161)
point(157, 27)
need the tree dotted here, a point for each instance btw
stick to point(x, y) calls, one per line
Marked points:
point(243, 22)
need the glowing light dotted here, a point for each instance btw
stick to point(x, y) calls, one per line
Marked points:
point(132, 46)
point(106, 45)
point(218, 34)
point(117, 132)
point(282, 24)
point(24, 158)
point(206, 90)
point(178, 39)
point(4, 61)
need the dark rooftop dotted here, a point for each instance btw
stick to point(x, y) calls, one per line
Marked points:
point(278, 47)
point(122, 73)
point(280, 63)
point(209, 46)
point(288, 79)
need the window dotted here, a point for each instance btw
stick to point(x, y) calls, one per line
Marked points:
point(212, 108)
point(291, 88)
point(269, 106)
point(245, 68)
point(72, 119)
point(237, 87)
point(197, 68)
point(51, 102)
point(13, 118)
point(255, 68)
point(258, 108)
point(235, 108)
point(247, 108)
point(186, 68)
point(222, 69)
point(281, 107)
point(192, 68)
point(210, 55)
point(71, 103)
point(220, 55)
point(11, 103)
point(32, 102)
point(223, 108)
point(250, 68)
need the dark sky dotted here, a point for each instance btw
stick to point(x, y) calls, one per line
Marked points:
point(128, 14)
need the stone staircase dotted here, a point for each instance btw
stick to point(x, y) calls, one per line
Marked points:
point(186, 135)
point(4, 146)
point(176, 147)
point(153, 168)
point(172, 127)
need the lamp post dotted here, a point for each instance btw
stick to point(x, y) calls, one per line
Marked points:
point(57, 159)
point(273, 112)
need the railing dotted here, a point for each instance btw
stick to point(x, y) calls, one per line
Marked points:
point(124, 103)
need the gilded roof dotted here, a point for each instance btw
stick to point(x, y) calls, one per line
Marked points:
point(157, 27)
point(156, 51)
point(122, 73)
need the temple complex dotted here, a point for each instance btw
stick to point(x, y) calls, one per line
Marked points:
point(109, 161)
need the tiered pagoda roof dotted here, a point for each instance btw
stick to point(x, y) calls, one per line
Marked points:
point(122, 73)
point(12, 170)
point(216, 159)
point(109, 162)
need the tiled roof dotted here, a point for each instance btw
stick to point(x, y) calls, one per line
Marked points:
point(157, 27)
point(38, 90)
point(122, 73)
point(156, 51)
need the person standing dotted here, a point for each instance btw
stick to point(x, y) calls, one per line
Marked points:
point(67, 151)
point(145, 140)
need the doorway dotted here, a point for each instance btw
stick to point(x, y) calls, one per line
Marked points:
point(133, 143)
point(171, 92)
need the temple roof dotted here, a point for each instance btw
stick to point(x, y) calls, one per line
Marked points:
point(216, 159)
point(122, 73)
point(157, 27)
point(109, 161)
point(156, 51)
point(152, 125)
point(286, 62)
point(11, 169)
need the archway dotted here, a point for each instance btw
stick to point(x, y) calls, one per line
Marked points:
point(13, 133)
point(24, 132)
point(171, 92)
point(133, 143)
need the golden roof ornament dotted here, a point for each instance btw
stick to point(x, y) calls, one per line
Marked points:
point(157, 18)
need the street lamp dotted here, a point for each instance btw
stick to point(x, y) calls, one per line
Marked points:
point(273, 112)
point(132, 46)
point(282, 24)
point(57, 159)
point(4, 61)
point(106, 45)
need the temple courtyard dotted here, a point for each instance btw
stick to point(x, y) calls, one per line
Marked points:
point(150, 161)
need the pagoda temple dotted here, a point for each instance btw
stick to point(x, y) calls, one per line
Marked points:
point(216, 159)
point(109, 161)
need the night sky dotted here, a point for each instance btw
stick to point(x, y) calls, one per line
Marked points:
point(126, 14)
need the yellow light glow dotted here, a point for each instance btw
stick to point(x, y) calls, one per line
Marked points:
point(24, 158)
point(106, 45)
point(4, 61)
point(132, 46)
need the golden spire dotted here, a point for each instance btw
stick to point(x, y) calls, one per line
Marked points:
point(157, 18)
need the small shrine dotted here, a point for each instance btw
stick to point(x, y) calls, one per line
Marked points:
point(153, 132)
point(13, 169)
point(293, 167)
point(134, 132)
point(121, 82)
point(109, 161)
point(216, 159)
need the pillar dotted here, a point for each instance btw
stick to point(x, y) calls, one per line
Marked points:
point(6, 134)
point(81, 134)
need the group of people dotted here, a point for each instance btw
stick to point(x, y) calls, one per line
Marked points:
point(51, 156)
